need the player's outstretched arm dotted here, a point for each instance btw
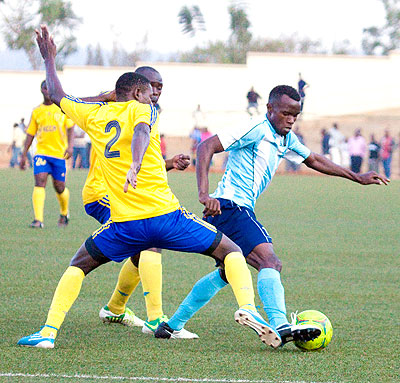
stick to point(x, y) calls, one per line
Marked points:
point(140, 142)
point(48, 50)
point(102, 97)
point(205, 152)
point(323, 165)
point(178, 162)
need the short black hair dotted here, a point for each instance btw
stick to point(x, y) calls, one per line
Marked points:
point(280, 90)
point(143, 69)
point(128, 80)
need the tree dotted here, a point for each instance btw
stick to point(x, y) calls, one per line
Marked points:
point(98, 58)
point(23, 16)
point(381, 40)
point(191, 19)
point(240, 36)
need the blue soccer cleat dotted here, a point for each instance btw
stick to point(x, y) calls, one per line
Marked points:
point(255, 321)
point(37, 340)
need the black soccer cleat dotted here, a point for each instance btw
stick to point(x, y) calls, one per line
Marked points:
point(63, 221)
point(163, 331)
point(292, 332)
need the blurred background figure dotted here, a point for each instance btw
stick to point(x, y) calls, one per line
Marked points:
point(387, 147)
point(325, 143)
point(199, 118)
point(290, 165)
point(374, 149)
point(195, 137)
point(301, 87)
point(79, 150)
point(336, 142)
point(252, 101)
point(163, 146)
point(357, 147)
point(16, 145)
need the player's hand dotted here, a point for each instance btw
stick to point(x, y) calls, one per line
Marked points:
point(22, 162)
point(45, 42)
point(180, 161)
point(131, 178)
point(371, 178)
point(68, 153)
point(212, 206)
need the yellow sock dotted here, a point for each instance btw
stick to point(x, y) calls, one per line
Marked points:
point(128, 280)
point(65, 295)
point(63, 200)
point(150, 270)
point(239, 277)
point(38, 197)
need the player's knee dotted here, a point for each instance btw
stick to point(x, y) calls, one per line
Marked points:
point(271, 261)
point(59, 187)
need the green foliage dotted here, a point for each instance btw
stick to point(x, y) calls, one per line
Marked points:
point(381, 40)
point(340, 254)
point(191, 19)
point(22, 17)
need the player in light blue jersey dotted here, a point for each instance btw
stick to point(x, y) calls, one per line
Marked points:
point(255, 152)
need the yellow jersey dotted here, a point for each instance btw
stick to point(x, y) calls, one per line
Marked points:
point(49, 124)
point(110, 128)
point(94, 188)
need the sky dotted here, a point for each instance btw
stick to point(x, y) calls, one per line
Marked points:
point(130, 22)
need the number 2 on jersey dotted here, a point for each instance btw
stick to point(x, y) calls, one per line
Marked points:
point(108, 153)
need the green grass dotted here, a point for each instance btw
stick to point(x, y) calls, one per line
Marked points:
point(339, 243)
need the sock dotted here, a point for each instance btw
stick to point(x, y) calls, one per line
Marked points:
point(272, 295)
point(201, 294)
point(65, 295)
point(150, 270)
point(239, 277)
point(63, 200)
point(128, 280)
point(38, 197)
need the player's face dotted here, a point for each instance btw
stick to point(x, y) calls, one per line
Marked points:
point(144, 95)
point(283, 113)
point(156, 84)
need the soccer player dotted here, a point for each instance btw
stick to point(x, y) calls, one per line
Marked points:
point(147, 268)
point(54, 134)
point(144, 211)
point(255, 152)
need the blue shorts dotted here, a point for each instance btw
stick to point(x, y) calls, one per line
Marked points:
point(240, 225)
point(179, 230)
point(51, 165)
point(99, 210)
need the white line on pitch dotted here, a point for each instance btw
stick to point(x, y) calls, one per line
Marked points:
point(147, 378)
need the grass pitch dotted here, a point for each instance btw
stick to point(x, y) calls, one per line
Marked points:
point(339, 243)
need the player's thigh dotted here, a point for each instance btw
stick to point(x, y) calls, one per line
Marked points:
point(87, 262)
point(58, 173)
point(41, 170)
point(263, 256)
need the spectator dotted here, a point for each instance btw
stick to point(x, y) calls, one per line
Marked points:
point(163, 146)
point(301, 86)
point(387, 146)
point(325, 143)
point(195, 137)
point(79, 149)
point(16, 145)
point(252, 98)
point(199, 118)
point(373, 160)
point(336, 143)
point(357, 149)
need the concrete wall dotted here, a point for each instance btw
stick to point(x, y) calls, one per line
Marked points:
point(338, 85)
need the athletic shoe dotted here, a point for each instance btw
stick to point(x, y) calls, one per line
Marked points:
point(37, 340)
point(256, 322)
point(128, 318)
point(165, 332)
point(291, 332)
point(36, 224)
point(150, 326)
point(63, 221)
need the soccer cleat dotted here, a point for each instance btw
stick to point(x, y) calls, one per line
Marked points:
point(256, 322)
point(292, 332)
point(128, 318)
point(36, 224)
point(165, 332)
point(150, 326)
point(63, 221)
point(37, 340)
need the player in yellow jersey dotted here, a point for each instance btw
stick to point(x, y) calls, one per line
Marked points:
point(54, 135)
point(147, 268)
point(144, 211)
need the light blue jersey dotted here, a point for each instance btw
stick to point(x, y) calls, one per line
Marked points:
point(254, 155)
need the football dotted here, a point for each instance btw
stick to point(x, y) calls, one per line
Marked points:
point(316, 318)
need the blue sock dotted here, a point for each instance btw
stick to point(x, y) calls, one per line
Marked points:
point(272, 296)
point(201, 294)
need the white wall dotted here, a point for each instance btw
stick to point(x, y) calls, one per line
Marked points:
point(338, 85)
